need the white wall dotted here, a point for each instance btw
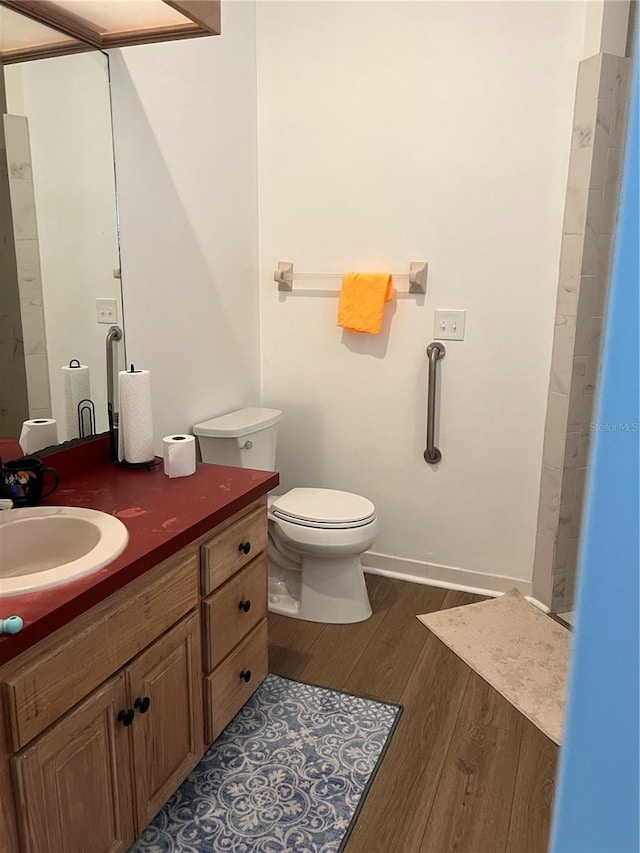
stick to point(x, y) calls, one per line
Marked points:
point(392, 132)
point(185, 138)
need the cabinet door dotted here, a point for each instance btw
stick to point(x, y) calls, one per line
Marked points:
point(74, 782)
point(8, 822)
point(165, 689)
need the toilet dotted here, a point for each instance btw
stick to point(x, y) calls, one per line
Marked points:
point(316, 536)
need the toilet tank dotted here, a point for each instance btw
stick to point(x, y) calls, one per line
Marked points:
point(243, 439)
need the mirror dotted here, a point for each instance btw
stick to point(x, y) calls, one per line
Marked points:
point(60, 286)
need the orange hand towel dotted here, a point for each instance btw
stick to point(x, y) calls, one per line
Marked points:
point(362, 299)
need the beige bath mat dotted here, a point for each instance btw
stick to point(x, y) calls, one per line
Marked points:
point(519, 650)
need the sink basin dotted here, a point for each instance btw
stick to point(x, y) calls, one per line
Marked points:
point(42, 547)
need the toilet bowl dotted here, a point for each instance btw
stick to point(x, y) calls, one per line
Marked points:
point(316, 540)
point(316, 536)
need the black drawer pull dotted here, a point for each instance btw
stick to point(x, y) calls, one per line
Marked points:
point(245, 675)
point(245, 547)
point(142, 705)
point(245, 606)
point(126, 717)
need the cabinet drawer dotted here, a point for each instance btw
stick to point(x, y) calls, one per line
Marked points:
point(233, 610)
point(63, 669)
point(233, 548)
point(225, 690)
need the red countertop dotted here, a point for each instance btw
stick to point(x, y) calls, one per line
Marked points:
point(162, 516)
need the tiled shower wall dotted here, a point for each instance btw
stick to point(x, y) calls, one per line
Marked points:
point(14, 408)
point(28, 264)
point(590, 209)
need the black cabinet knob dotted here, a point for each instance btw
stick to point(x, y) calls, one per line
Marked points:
point(245, 675)
point(142, 705)
point(245, 606)
point(126, 717)
point(245, 547)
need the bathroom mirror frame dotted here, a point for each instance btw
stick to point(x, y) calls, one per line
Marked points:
point(23, 39)
point(109, 271)
point(102, 25)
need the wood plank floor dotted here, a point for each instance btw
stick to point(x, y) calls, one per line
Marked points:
point(465, 771)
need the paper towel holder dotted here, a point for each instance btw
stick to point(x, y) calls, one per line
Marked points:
point(136, 466)
point(139, 466)
point(86, 417)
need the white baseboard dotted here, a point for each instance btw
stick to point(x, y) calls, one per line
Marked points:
point(538, 604)
point(445, 577)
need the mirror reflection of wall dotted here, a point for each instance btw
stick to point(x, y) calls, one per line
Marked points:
point(57, 131)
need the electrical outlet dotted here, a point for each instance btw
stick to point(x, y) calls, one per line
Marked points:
point(107, 310)
point(448, 324)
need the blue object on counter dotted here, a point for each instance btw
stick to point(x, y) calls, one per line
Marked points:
point(11, 625)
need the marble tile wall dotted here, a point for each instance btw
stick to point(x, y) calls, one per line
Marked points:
point(14, 407)
point(28, 265)
point(589, 220)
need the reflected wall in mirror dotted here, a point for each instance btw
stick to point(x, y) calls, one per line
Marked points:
point(59, 213)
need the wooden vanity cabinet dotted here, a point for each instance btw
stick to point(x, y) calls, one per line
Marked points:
point(102, 721)
point(97, 777)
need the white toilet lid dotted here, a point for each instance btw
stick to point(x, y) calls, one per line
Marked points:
point(323, 508)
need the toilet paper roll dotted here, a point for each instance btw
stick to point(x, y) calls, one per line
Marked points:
point(135, 430)
point(179, 453)
point(38, 433)
point(76, 386)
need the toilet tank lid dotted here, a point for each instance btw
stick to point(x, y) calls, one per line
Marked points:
point(240, 422)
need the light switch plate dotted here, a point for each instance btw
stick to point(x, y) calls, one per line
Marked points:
point(107, 310)
point(448, 324)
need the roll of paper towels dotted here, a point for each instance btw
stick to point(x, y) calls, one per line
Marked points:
point(135, 430)
point(179, 453)
point(76, 386)
point(38, 433)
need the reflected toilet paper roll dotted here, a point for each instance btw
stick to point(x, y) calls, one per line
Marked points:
point(179, 453)
point(38, 433)
point(135, 430)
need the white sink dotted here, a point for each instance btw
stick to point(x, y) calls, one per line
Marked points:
point(43, 547)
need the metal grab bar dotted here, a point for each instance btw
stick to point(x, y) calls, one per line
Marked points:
point(435, 352)
point(114, 334)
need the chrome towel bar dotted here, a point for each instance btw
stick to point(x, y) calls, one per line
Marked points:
point(284, 276)
point(435, 352)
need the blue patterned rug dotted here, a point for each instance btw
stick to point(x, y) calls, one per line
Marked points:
point(289, 773)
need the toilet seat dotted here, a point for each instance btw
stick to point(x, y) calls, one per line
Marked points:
point(326, 509)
